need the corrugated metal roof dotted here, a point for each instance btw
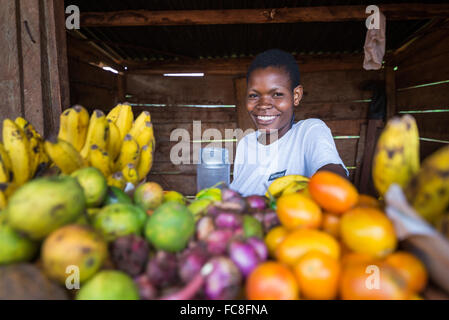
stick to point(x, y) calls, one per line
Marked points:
point(149, 43)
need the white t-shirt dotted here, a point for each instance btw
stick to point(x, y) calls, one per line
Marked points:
point(304, 149)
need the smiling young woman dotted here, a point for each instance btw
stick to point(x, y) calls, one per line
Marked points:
point(280, 146)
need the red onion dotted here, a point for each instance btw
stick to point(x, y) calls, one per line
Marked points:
point(228, 220)
point(260, 216)
point(204, 227)
point(244, 256)
point(146, 289)
point(217, 242)
point(228, 194)
point(191, 261)
point(259, 246)
point(213, 210)
point(271, 220)
point(162, 270)
point(224, 282)
point(256, 202)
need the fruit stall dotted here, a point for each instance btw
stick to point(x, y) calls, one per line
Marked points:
point(92, 205)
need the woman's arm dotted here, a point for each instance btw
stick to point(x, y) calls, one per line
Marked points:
point(335, 168)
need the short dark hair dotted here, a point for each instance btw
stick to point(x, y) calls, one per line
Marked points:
point(276, 58)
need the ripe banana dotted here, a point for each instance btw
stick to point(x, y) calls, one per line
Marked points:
point(113, 114)
point(396, 158)
point(277, 186)
point(128, 154)
point(77, 119)
point(124, 120)
point(117, 180)
point(2, 199)
point(5, 158)
point(5, 173)
point(17, 146)
point(145, 162)
point(97, 133)
point(100, 159)
point(130, 174)
point(34, 139)
point(146, 136)
point(115, 141)
point(294, 186)
point(139, 123)
point(64, 155)
point(428, 191)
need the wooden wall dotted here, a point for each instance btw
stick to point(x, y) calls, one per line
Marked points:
point(91, 86)
point(333, 96)
point(422, 87)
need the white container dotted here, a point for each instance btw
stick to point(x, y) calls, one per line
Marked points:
point(214, 167)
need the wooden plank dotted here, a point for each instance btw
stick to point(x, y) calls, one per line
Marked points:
point(244, 120)
point(433, 125)
point(81, 72)
point(187, 152)
point(239, 66)
point(171, 114)
point(426, 45)
point(56, 80)
point(347, 149)
point(332, 110)
point(163, 131)
point(207, 90)
point(256, 16)
point(345, 127)
point(32, 69)
point(390, 90)
point(185, 184)
point(426, 148)
point(92, 97)
point(337, 86)
point(424, 98)
point(427, 71)
point(10, 86)
point(359, 154)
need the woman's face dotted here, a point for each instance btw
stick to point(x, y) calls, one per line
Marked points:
point(270, 100)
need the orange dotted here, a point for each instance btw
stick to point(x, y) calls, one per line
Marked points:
point(352, 258)
point(410, 268)
point(379, 281)
point(301, 241)
point(368, 230)
point(331, 224)
point(296, 210)
point(271, 281)
point(318, 276)
point(332, 192)
point(274, 237)
point(367, 201)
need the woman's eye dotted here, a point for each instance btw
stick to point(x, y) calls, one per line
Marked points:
point(278, 94)
point(252, 95)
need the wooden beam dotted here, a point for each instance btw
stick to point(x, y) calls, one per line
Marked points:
point(239, 66)
point(403, 11)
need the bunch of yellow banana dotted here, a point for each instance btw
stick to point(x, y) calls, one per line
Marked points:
point(121, 148)
point(287, 184)
point(22, 152)
point(396, 158)
point(428, 191)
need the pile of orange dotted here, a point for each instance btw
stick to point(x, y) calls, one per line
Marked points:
point(334, 244)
